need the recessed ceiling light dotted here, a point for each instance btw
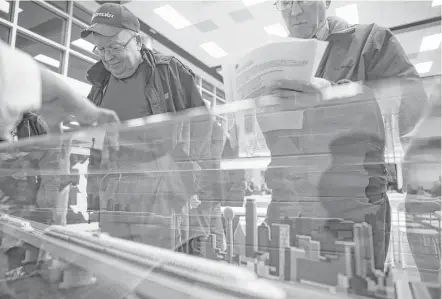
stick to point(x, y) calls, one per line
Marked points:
point(436, 3)
point(276, 29)
point(47, 60)
point(423, 67)
point(83, 44)
point(213, 49)
point(4, 6)
point(252, 2)
point(348, 13)
point(170, 15)
point(431, 42)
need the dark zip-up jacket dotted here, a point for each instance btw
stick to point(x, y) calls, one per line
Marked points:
point(171, 88)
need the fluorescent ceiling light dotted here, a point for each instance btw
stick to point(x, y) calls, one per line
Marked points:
point(47, 60)
point(249, 3)
point(170, 15)
point(423, 67)
point(431, 42)
point(276, 29)
point(213, 49)
point(4, 6)
point(83, 44)
point(348, 13)
point(436, 3)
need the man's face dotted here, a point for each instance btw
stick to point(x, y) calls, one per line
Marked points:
point(304, 18)
point(120, 54)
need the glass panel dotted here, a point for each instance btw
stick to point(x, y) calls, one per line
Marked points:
point(78, 68)
point(4, 33)
point(308, 228)
point(207, 96)
point(207, 86)
point(42, 21)
point(82, 15)
point(62, 5)
point(79, 44)
point(6, 10)
point(44, 54)
point(220, 94)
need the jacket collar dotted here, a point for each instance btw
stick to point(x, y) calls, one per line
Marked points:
point(338, 26)
point(323, 32)
point(99, 75)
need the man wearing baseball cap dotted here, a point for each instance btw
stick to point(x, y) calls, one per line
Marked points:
point(136, 82)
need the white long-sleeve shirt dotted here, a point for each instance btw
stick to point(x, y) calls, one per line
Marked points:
point(20, 86)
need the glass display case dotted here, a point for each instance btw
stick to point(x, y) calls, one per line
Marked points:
point(136, 211)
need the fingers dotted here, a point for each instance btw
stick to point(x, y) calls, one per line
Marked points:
point(313, 86)
point(294, 85)
point(107, 116)
point(291, 99)
point(286, 94)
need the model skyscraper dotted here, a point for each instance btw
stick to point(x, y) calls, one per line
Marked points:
point(334, 253)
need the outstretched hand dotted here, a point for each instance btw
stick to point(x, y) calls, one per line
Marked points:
point(298, 94)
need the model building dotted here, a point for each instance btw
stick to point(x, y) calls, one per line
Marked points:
point(304, 250)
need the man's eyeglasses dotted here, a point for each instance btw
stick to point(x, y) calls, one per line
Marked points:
point(286, 5)
point(113, 49)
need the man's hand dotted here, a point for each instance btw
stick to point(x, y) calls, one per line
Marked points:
point(315, 85)
point(299, 95)
point(61, 103)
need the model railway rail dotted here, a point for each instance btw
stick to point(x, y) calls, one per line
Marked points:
point(148, 271)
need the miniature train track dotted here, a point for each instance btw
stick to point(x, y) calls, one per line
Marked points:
point(152, 272)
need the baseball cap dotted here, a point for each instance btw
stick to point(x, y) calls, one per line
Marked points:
point(110, 19)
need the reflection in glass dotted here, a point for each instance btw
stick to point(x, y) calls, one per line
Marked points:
point(41, 21)
point(4, 33)
point(44, 54)
point(423, 201)
point(6, 9)
point(144, 191)
point(79, 44)
point(81, 14)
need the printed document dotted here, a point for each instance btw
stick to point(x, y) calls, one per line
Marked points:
point(254, 74)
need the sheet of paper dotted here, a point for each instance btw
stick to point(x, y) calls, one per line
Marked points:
point(254, 74)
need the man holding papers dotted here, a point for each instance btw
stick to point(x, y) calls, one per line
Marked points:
point(351, 183)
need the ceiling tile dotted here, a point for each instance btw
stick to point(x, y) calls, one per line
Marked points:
point(206, 26)
point(241, 16)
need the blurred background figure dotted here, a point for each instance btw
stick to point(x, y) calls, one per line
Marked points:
point(422, 177)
